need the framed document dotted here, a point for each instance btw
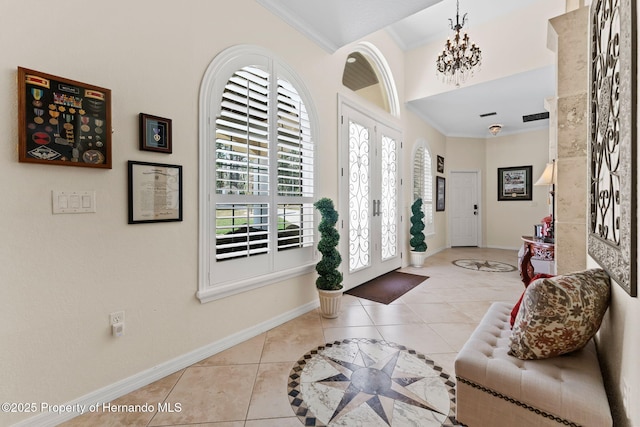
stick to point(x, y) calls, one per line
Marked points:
point(155, 192)
point(63, 122)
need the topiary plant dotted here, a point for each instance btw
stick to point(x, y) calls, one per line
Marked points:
point(417, 225)
point(329, 278)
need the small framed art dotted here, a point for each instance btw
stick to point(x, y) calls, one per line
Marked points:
point(155, 192)
point(440, 193)
point(440, 164)
point(514, 183)
point(62, 121)
point(155, 133)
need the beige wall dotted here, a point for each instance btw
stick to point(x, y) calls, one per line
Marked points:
point(62, 275)
point(503, 222)
point(502, 51)
point(507, 221)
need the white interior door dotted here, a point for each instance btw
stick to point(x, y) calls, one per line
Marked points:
point(370, 189)
point(464, 218)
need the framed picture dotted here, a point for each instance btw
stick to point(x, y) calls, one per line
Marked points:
point(62, 121)
point(155, 133)
point(155, 192)
point(514, 183)
point(440, 165)
point(440, 193)
point(612, 235)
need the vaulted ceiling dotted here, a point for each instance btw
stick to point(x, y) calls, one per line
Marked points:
point(413, 23)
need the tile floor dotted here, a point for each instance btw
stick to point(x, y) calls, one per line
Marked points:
point(246, 385)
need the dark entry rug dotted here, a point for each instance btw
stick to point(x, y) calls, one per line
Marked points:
point(388, 287)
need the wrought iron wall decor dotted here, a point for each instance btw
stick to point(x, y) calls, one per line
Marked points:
point(612, 236)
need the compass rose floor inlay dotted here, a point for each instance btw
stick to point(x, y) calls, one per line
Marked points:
point(370, 382)
point(483, 265)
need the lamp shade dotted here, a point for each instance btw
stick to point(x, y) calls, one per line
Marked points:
point(548, 176)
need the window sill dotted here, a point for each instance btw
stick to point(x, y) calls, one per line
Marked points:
point(208, 293)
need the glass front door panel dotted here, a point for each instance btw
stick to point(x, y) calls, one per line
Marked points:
point(359, 194)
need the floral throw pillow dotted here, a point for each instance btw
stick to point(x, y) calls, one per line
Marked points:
point(561, 314)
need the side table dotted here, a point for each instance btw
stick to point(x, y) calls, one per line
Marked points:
point(534, 249)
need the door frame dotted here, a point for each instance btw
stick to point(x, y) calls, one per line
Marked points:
point(391, 122)
point(481, 199)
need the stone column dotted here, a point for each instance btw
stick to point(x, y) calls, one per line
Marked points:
point(571, 196)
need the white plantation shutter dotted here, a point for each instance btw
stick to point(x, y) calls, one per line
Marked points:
point(261, 163)
point(295, 147)
point(242, 135)
point(423, 185)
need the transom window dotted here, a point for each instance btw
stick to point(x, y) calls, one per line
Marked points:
point(258, 142)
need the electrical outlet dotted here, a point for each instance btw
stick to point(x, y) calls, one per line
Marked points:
point(116, 317)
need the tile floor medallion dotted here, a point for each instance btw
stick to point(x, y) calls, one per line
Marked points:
point(370, 382)
point(482, 265)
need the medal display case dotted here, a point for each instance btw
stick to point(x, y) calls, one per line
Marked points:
point(62, 121)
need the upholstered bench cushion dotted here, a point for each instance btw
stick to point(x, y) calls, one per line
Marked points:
point(496, 389)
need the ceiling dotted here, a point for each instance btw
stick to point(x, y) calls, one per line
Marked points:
point(413, 23)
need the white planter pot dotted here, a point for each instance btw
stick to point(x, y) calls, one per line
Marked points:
point(330, 303)
point(416, 259)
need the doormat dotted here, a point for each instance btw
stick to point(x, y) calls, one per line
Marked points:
point(360, 381)
point(483, 265)
point(388, 287)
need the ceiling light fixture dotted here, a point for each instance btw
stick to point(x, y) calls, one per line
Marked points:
point(495, 129)
point(458, 60)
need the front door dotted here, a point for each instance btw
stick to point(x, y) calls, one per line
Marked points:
point(465, 212)
point(369, 196)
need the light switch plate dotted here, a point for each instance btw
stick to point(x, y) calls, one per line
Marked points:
point(73, 201)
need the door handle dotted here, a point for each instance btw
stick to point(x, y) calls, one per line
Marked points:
point(376, 207)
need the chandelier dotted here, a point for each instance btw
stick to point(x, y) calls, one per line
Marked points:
point(458, 59)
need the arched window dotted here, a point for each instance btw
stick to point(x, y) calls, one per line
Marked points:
point(367, 73)
point(257, 173)
point(423, 183)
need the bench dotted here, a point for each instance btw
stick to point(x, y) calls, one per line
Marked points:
point(496, 389)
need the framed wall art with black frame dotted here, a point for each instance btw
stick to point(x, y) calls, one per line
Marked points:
point(612, 230)
point(440, 164)
point(155, 192)
point(440, 194)
point(514, 183)
point(62, 121)
point(155, 133)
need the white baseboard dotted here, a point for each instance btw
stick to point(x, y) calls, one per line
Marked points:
point(504, 247)
point(141, 379)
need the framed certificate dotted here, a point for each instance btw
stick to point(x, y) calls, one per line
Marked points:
point(155, 192)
